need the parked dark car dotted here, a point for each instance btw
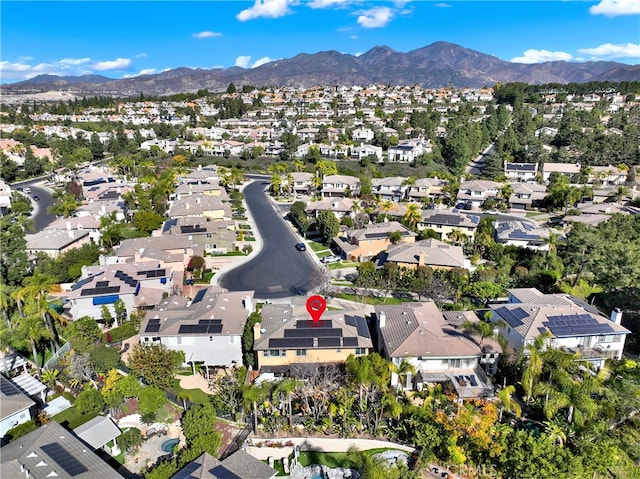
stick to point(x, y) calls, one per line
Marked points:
point(36, 198)
point(301, 247)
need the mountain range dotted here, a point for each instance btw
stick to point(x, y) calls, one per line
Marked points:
point(440, 64)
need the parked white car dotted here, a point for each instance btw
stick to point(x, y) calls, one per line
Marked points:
point(331, 259)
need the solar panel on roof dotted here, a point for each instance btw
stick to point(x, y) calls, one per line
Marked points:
point(328, 342)
point(64, 459)
point(152, 328)
point(199, 296)
point(325, 323)
point(350, 342)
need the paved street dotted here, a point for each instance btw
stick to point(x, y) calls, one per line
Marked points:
point(278, 270)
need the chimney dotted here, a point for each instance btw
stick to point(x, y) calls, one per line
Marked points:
point(257, 332)
point(248, 304)
point(198, 200)
point(186, 206)
point(382, 319)
point(421, 258)
point(70, 233)
point(68, 224)
point(616, 315)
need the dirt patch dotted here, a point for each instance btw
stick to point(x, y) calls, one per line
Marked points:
point(229, 433)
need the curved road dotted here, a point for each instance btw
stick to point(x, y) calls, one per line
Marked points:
point(278, 270)
point(41, 217)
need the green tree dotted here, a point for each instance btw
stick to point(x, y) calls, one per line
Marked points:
point(328, 225)
point(89, 401)
point(151, 399)
point(155, 364)
point(147, 221)
point(199, 429)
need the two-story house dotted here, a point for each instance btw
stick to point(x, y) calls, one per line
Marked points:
point(526, 195)
point(208, 328)
point(137, 285)
point(445, 222)
point(407, 151)
point(201, 205)
point(430, 252)
point(523, 234)
point(521, 171)
point(364, 151)
point(473, 193)
point(393, 188)
point(571, 170)
point(287, 337)
point(437, 347)
point(214, 237)
point(572, 324)
point(340, 186)
point(426, 189)
point(365, 243)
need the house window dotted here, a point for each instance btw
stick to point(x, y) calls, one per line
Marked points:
point(301, 352)
point(454, 363)
point(361, 351)
point(275, 352)
point(210, 339)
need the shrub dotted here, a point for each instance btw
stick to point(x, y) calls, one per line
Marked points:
point(89, 401)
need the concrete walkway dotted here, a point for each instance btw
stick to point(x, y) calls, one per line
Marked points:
point(194, 382)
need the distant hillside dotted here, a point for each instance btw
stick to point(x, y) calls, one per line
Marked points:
point(437, 65)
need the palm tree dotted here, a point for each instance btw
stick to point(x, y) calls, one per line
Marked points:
point(413, 215)
point(456, 236)
point(505, 192)
point(286, 389)
point(5, 302)
point(252, 395)
point(38, 287)
point(507, 403)
point(533, 364)
point(32, 329)
point(555, 433)
point(395, 237)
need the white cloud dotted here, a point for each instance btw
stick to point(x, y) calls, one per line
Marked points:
point(146, 71)
point(74, 61)
point(375, 18)
point(540, 56)
point(207, 34)
point(261, 61)
point(117, 64)
point(353, 37)
point(613, 8)
point(243, 61)
point(22, 70)
point(266, 9)
point(610, 51)
point(442, 5)
point(327, 3)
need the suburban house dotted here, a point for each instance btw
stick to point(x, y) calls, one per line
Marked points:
point(362, 134)
point(51, 451)
point(340, 186)
point(444, 222)
point(340, 207)
point(208, 328)
point(201, 205)
point(393, 188)
point(78, 223)
point(239, 465)
point(566, 169)
point(214, 237)
point(302, 182)
point(523, 234)
point(426, 189)
point(573, 325)
point(526, 195)
point(430, 252)
point(15, 407)
point(522, 172)
point(137, 285)
point(365, 150)
point(608, 175)
point(473, 193)
point(56, 242)
point(287, 337)
point(199, 188)
point(363, 244)
point(437, 347)
point(172, 251)
point(5, 198)
point(407, 151)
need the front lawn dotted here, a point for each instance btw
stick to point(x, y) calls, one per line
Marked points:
point(121, 333)
point(315, 246)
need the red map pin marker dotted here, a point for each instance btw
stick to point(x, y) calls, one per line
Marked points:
point(316, 306)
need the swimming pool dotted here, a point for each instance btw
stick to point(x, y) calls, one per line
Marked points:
point(169, 444)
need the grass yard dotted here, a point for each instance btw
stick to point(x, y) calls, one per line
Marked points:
point(372, 300)
point(193, 395)
point(73, 418)
point(335, 459)
point(342, 264)
point(315, 246)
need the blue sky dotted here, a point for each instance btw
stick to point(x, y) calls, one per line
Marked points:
point(120, 39)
